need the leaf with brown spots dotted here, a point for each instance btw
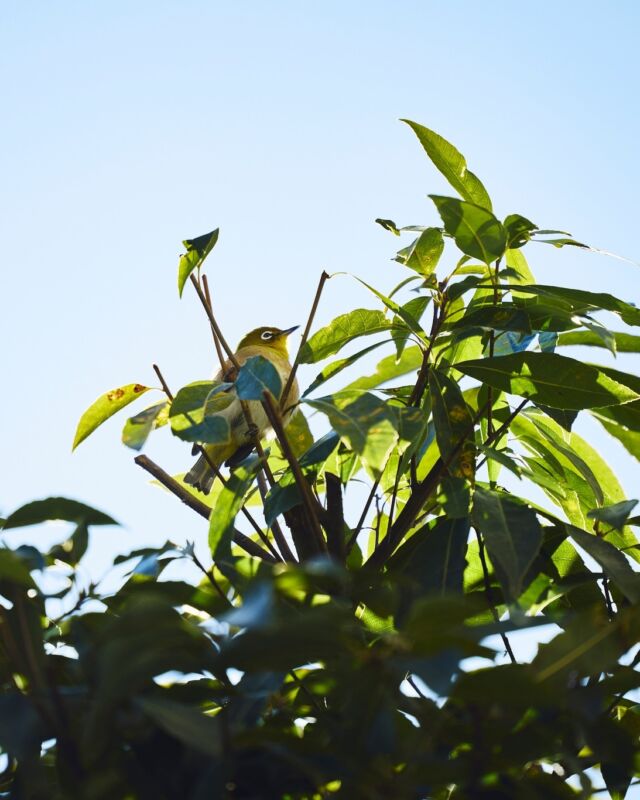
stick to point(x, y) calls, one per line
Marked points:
point(454, 425)
point(104, 407)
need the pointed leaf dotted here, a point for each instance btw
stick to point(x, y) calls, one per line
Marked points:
point(189, 417)
point(611, 560)
point(333, 337)
point(225, 511)
point(512, 534)
point(452, 164)
point(104, 407)
point(550, 379)
point(197, 250)
point(424, 254)
point(388, 368)
point(475, 230)
point(454, 425)
point(615, 515)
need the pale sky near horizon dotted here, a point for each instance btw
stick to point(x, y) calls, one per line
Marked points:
point(128, 127)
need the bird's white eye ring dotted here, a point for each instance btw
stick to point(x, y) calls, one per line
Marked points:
point(266, 336)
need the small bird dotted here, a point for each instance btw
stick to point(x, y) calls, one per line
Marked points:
point(271, 343)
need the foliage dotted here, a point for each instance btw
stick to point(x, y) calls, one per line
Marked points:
point(344, 647)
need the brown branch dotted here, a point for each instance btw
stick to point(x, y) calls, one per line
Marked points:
point(278, 535)
point(163, 383)
point(305, 335)
point(273, 413)
point(247, 544)
point(334, 516)
point(216, 341)
point(214, 324)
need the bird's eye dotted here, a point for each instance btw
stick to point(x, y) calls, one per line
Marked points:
point(266, 336)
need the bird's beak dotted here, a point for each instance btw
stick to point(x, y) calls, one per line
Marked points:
point(289, 330)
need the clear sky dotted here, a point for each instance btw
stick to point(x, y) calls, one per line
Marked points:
point(128, 127)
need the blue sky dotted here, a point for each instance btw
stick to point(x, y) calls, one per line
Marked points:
point(128, 127)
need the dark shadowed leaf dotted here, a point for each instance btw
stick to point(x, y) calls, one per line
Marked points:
point(320, 451)
point(189, 725)
point(197, 250)
point(615, 515)
point(610, 559)
point(104, 407)
point(512, 534)
point(388, 225)
point(333, 337)
point(137, 429)
point(550, 379)
point(475, 230)
point(54, 508)
point(518, 230)
point(452, 164)
point(256, 376)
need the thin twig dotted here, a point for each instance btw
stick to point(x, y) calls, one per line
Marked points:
point(489, 595)
point(216, 341)
point(273, 413)
point(247, 544)
point(211, 578)
point(305, 335)
point(214, 324)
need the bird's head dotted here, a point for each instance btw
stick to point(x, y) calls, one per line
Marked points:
point(271, 338)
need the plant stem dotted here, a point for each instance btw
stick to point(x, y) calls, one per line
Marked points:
point(305, 335)
point(278, 535)
point(198, 506)
point(273, 413)
point(489, 594)
point(216, 341)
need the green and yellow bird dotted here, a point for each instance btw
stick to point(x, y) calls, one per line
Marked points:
point(270, 343)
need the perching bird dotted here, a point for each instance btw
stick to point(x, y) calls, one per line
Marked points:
point(271, 343)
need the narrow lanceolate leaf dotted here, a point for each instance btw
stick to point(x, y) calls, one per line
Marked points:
point(625, 342)
point(475, 230)
point(337, 366)
point(424, 253)
point(257, 376)
point(195, 413)
point(106, 406)
point(452, 164)
point(400, 311)
point(550, 379)
point(628, 438)
point(54, 508)
point(197, 250)
point(344, 329)
point(226, 509)
point(512, 534)
point(388, 368)
point(454, 425)
point(581, 302)
point(137, 429)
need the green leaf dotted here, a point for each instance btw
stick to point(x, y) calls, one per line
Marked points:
point(281, 498)
point(333, 337)
point(610, 559)
point(454, 425)
point(518, 230)
point(388, 225)
point(581, 302)
point(434, 556)
point(369, 426)
point(337, 366)
point(400, 311)
point(104, 407)
point(625, 342)
point(189, 725)
point(189, 417)
point(298, 432)
point(137, 429)
point(615, 515)
point(320, 451)
point(388, 368)
point(257, 376)
point(55, 508)
point(475, 230)
point(550, 379)
point(424, 253)
point(452, 164)
point(197, 250)
point(512, 534)
point(628, 438)
point(229, 503)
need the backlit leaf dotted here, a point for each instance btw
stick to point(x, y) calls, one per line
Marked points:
point(333, 337)
point(475, 230)
point(256, 376)
point(106, 406)
point(197, 250)
point(137, 429)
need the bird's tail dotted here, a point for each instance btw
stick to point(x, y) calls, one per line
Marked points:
point(200, 476)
